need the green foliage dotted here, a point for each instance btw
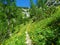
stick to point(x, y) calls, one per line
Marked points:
point(41, 3)
point(41, 11)
point(3, 30)
point(18, 38)
point(10, 17)
point(46, 32)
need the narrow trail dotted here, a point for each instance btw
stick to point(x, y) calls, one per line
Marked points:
point(28, 40)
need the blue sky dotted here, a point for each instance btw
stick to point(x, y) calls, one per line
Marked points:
point(23, 3)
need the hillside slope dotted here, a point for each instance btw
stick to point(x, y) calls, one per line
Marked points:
point(44, 32)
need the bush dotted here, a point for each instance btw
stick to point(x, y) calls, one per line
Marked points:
point(46, 32)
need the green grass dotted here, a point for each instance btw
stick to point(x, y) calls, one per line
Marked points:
point(16, 38)
point(40, 32)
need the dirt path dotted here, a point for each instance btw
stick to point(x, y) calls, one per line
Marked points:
point(28, 40)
